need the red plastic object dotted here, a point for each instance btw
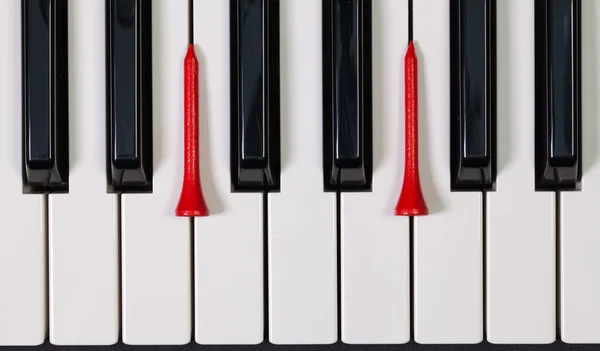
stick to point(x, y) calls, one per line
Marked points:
point(191, 202)
point(411, 201)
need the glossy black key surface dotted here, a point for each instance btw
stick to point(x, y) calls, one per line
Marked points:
point(255, 160)
point(253, 122)
point(472, 94)
point(347, 100)
point(557, 94)
point(45, 96)
point(129, 95)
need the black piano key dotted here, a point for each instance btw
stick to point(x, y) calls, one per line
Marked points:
point(558, 98)
point(129, 95)
point(472, 94)
point(345, 80)
point(255, 159)
point(45, 96)
point(347, 101)
point(252, 117)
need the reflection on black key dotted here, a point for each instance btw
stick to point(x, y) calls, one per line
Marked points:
point(255, 163)
point(557, 94)
point(347, 110)
point(45, 96)
point(253, 123)
point(473, 94)
point(129, 95)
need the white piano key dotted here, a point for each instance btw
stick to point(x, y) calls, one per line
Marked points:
point(520, 227)
point(83, 244)
point(229, 242)
point(374, 243)
point(23, 307)
point(156, 251)
point(302, 228)
point(579, 239)
point(448, 273)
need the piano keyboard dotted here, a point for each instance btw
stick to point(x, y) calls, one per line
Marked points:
point(300, 113)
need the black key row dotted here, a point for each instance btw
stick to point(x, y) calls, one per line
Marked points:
point(347, 95)
point(128, 96)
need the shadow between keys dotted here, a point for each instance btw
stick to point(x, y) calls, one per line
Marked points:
point(208, 184)
point(590, 107)
point(430, 191)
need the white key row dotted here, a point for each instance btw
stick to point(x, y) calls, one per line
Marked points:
point(90, 296)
